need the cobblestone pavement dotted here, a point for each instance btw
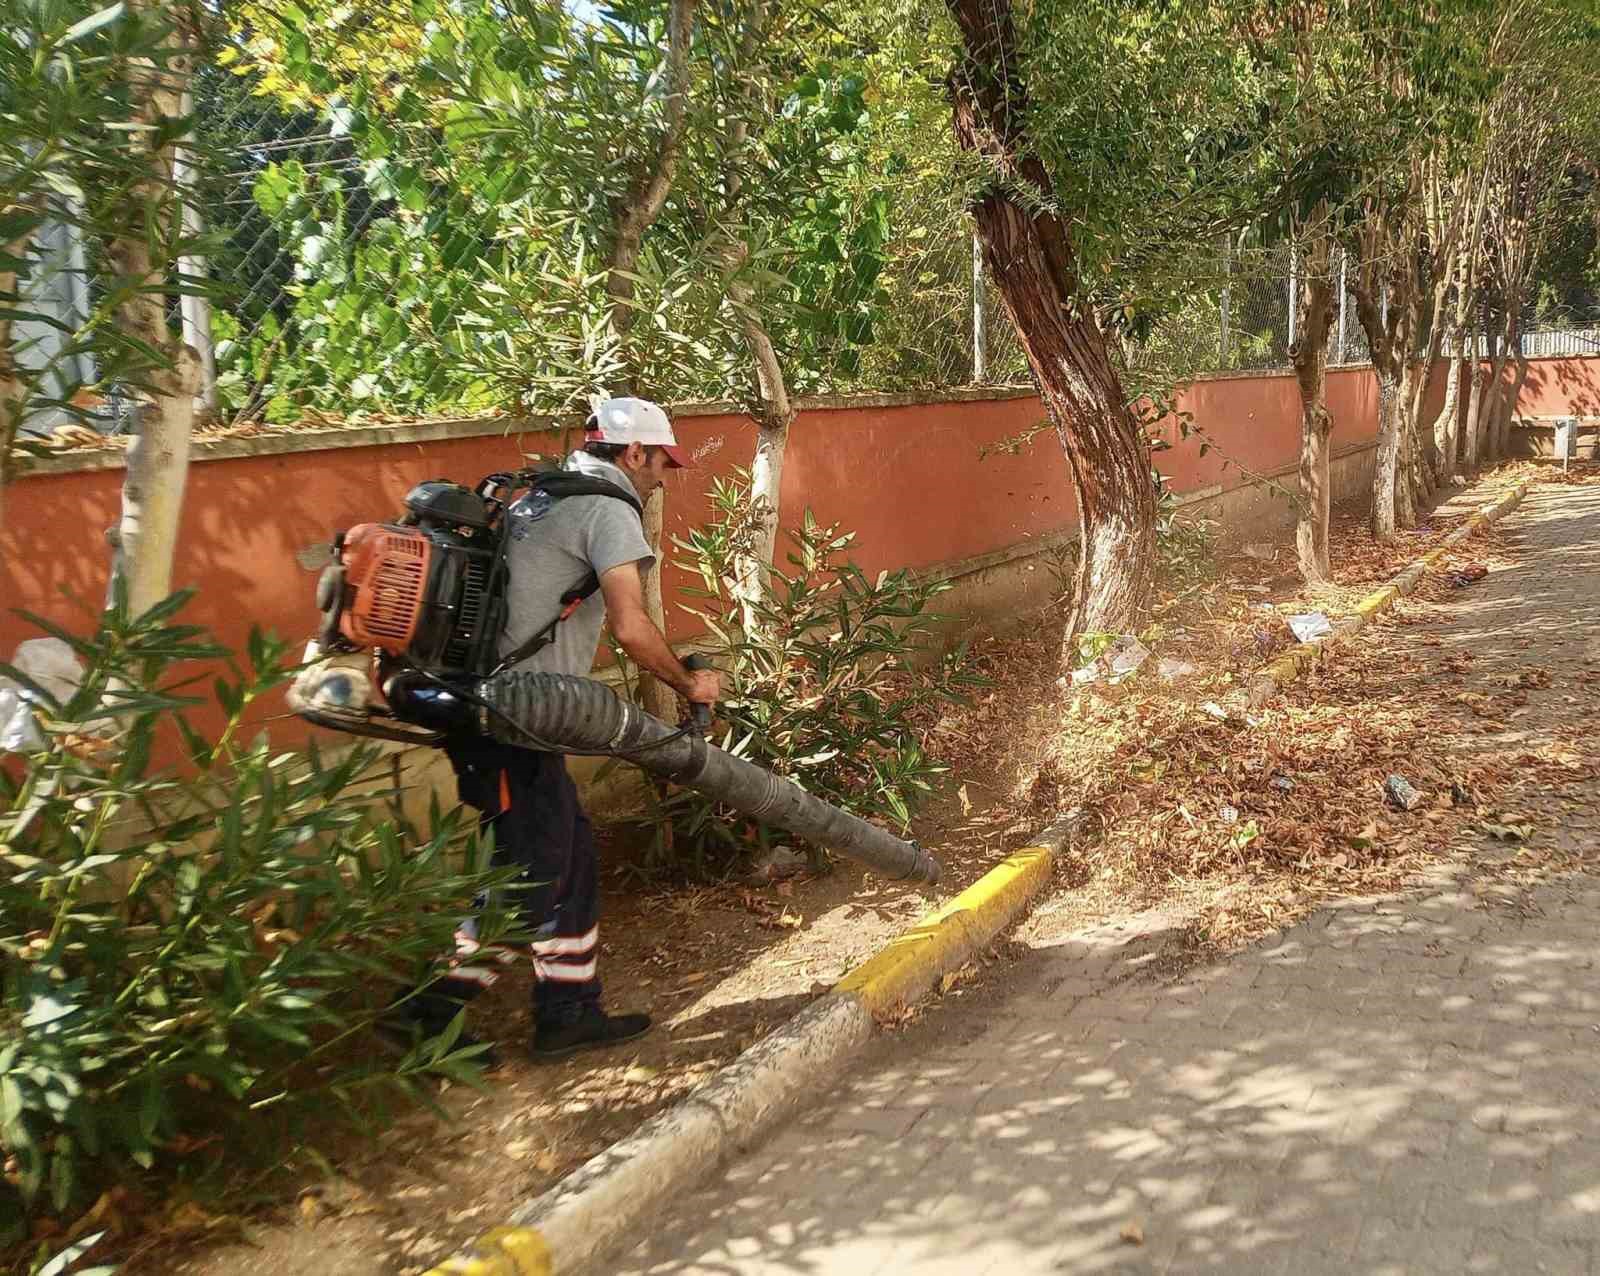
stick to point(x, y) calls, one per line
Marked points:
point(1404, 1085)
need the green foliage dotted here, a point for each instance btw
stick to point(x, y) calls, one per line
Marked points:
point(203, 948)
point(66, 159)
point(1148, 117)
point(356, 304)
point(1185, 545)
point(455, 253)
point(827, 682)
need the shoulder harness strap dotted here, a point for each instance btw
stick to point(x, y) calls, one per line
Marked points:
point(561, 484)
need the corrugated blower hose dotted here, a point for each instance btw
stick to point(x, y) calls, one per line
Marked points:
point(418, 605)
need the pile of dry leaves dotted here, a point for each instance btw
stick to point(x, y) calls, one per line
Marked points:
point(1246, 821)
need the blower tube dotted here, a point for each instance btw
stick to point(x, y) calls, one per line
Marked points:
point(581, 716)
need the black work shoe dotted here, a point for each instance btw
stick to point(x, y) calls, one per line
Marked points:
point(592, 1030)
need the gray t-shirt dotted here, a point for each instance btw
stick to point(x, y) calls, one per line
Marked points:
point(553, 546)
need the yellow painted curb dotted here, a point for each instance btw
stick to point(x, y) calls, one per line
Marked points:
point(503, 1251)
point(1286, 668)
point(1380, 600)
point(893, 976)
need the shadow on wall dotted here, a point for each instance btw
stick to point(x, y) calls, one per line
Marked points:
point(1561, 387)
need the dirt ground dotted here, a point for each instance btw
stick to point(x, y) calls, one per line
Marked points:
point(718, 967)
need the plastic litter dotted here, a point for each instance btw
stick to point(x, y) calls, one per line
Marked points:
point(1171, 669)
point(19, 733)
point(1229, 814)
point(1401, 794)
point(1282, 783)
point(1117, 662)
point(52, 664)
point(1310, 626)
point(1468, 575)
point(55, 668)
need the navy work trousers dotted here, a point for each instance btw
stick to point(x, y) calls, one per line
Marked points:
point(531, 804)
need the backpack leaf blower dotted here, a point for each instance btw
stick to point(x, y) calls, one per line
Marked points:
point(416, 607)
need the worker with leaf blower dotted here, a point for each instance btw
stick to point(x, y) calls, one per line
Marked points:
point(577, 561)
point(526, 796)
point(477, 613)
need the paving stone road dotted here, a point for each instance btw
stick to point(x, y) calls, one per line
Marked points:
point(1407, 1085)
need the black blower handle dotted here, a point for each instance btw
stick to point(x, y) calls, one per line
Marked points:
point(699, 714)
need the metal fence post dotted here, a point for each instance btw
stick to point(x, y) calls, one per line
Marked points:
point(1294, 287)
point(1226, 301)
point(979, 327)
point(196, 309)
point(1344, 257)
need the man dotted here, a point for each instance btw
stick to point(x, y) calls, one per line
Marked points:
point(527, 797)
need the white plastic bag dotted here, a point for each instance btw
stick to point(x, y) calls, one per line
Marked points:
point(55, 668)
point(19, 733)
point(52, 664)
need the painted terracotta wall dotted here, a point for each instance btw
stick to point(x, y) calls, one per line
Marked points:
point(921, 485)
point(1560, 387)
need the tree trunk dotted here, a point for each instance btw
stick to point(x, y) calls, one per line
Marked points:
point(774, 415)
point(1489, 405)
point(1310, 355)
point(647, 194)
point(1386, 250)
point(775, 412)
point(656, 697)
point(1410, 493)
point(1426, 442)
point(753, 570)
point(1471, 440)
point(1482, 396)
point(632, 217)
point(146, 536)
point(1509, 411)
point(1384, 479)
point(1422, 464)
point(1030, 259)
point(1311, 529)
point(1444, 425)
point(1406, 297)
point(1447, 425)
point(1507, 403)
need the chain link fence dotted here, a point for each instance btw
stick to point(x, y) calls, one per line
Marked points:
point(341, 271)
point(341, 278)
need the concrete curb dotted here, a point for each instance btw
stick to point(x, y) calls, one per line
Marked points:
point(599, 1207)
point(1289, 666)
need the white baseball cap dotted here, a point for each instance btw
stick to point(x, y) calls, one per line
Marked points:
point(635, 421)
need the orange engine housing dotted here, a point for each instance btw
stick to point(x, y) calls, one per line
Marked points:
point(386, 577)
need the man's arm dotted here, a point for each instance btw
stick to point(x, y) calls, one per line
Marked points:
point(632, 627)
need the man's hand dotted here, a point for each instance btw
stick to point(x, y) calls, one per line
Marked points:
point(647, 645)
point(705, 687)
